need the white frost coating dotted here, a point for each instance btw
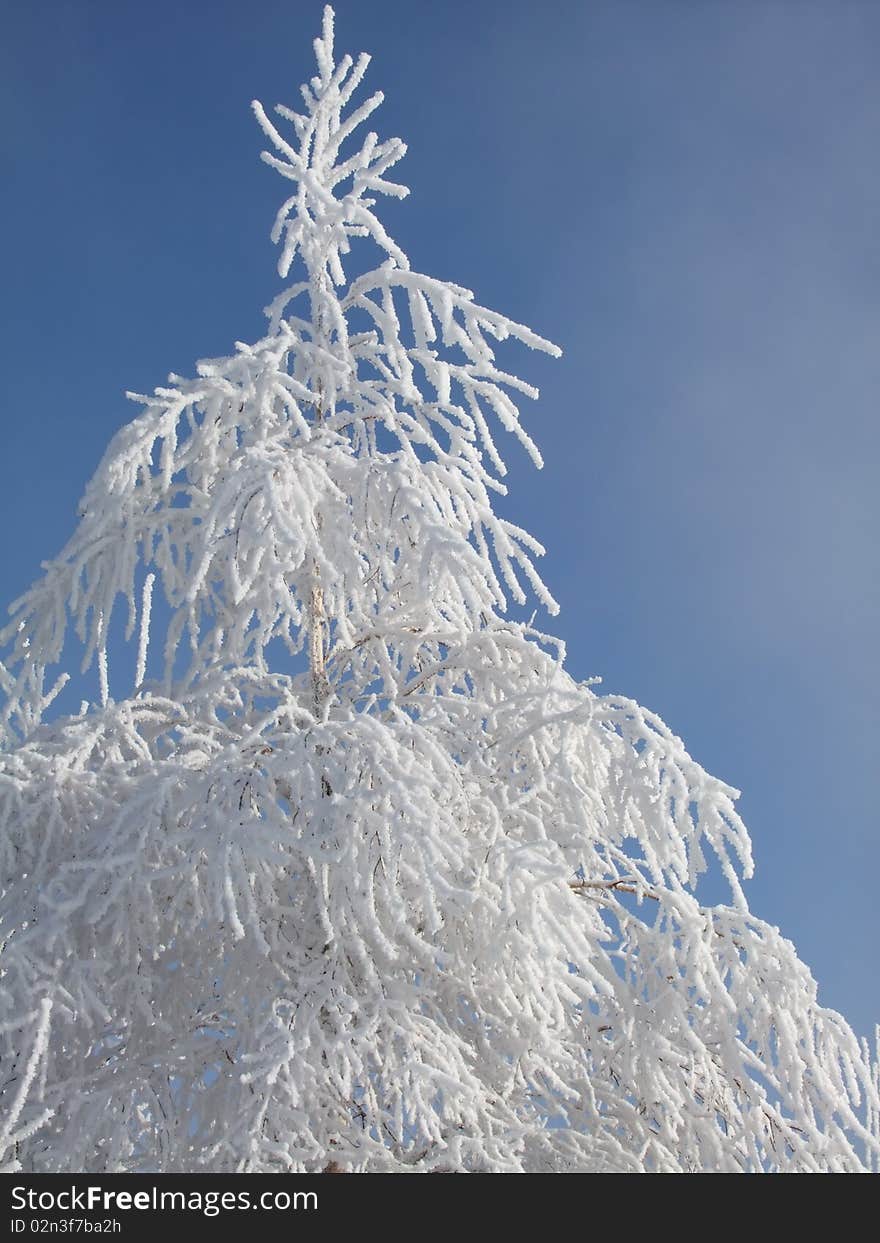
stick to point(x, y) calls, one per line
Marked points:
point(12, 1135)
point(102, 677)
point(428, 904)
point(144, 635)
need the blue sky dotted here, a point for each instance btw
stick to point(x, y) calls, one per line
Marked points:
point(683, 195)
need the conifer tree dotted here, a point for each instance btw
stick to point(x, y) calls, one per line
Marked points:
point(352, 873)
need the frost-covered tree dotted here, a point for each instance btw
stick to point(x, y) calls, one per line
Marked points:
point(352, 872)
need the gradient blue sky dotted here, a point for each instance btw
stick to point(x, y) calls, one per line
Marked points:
point(683, 195)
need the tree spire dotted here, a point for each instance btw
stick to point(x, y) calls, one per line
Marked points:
point(267, 440)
